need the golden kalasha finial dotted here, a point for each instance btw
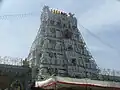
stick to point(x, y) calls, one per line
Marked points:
point(58, 12)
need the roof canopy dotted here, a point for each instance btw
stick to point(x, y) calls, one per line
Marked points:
point(73, 82)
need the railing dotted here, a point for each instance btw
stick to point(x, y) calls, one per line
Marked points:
point(109, 72)
point(106, 75)
point(11, 61)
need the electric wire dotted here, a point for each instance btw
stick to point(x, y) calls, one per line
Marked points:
point(8, 16)
point(98, 38)
point(11, 16)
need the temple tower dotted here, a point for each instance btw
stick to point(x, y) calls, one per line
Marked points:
point(59, 48)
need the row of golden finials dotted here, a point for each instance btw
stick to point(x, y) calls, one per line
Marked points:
point(59, 12)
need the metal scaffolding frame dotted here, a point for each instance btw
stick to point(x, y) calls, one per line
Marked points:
point(43, 33)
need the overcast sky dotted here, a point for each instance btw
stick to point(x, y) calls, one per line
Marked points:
point(101, 17)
